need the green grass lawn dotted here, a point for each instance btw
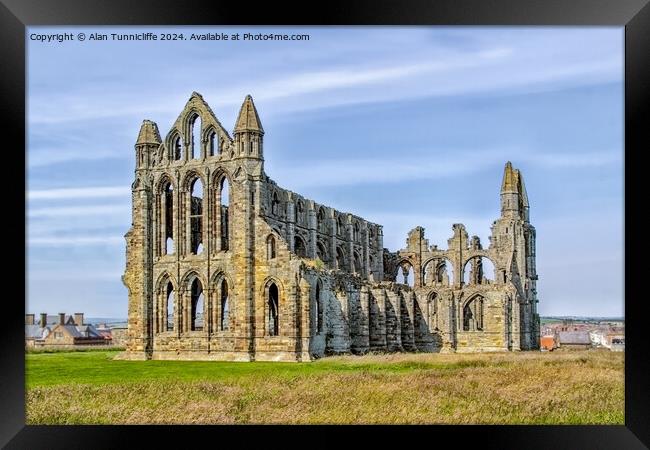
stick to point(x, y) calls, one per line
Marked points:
point(528, 387)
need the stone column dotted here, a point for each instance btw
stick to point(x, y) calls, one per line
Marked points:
point(380, 254)
point(303, 328)
point(291, 220)
point(516, 325)
point(363, 330)
point(312, 222)
point(350, 230)
point(407, 316)
point(216, 217)
point(187, 208)
point(366, 251)
point(393, 322)
point(178, 311)
point(377, 329)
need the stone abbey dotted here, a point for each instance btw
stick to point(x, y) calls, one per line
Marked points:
point(224, 264)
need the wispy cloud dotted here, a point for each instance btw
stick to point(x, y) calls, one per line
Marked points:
point(357, 171)
point(78, 211)
point(58, 241)
point(79, 192)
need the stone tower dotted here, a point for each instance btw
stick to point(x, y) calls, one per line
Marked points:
point(514, 236)
point(224, 264)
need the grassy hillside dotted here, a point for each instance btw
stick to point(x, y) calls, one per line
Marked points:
point(582, 387)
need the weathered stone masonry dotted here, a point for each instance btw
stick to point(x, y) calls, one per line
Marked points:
point(223, 264)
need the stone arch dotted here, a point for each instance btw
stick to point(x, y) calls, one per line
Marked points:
point(358, 264)
point(405, 272)
point(271, 246)
point(299, 246)
point(163, 178)
point(175, 145)
point(433, 307)
point(222, 291)
point(321, 220)
point(197, 305)
point(473, 313)
point(340, 225)
point(193, 210)
point(482, 270)
point(222, 195)
point(356, 231)
point(213, 141)
point(341, 258)
point(300, 212)
point(164, 202)
point(190, 176)
point(321, 252)
point(194, 126)
point(188, 278)
point(320, 307)
point(273, 293)
point(166, 289)
point(275, 204)
point(163, 278)
point(438, 271)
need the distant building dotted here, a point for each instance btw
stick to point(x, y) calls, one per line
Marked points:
point(547, 342)
point(62, 330)
point(611, 338)
point(574, 339)
point(119, 335)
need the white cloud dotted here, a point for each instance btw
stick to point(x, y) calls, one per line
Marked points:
point(79, 192)
point(448, 164)
point(58, 241)
point(78, 211)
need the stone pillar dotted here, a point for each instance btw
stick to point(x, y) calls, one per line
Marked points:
point(447, 311)
point(312, 223)
point(380, 254)
point(291, 220)
point(350, 232)
point(179, 300)
point(393, 323)
point(362, 341)
point(303, 328)
point(216, 217)
point(407, 323)
point(377, 325)
point(187, 208)
point(366, 251)
point(332, 242)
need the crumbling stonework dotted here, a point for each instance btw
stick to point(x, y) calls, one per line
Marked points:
point(223, 264)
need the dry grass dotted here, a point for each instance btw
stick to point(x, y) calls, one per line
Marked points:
point(582, 387)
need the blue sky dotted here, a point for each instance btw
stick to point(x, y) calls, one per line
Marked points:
point(404, 126)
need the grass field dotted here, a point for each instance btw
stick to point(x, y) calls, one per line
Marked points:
point(580, 387)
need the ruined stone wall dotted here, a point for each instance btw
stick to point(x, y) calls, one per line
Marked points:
point(265, 274)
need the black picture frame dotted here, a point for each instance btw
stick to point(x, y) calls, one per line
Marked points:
point(634, 15)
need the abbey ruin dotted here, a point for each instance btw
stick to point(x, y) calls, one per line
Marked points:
point(224, 264)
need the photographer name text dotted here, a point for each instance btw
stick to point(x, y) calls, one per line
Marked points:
point(151, 36)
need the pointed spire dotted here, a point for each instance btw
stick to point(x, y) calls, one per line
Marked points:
point(509, 183)
point(148, 133)
point(248, 119)
point(521, 188)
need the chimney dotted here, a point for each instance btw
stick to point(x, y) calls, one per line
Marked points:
point(61, 318)
point(29, 319)
point(43, 320)
point(79, 319)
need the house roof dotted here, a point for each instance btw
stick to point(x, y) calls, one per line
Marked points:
point(33, 331)
point(83, 331)
point(54, 320)
point(574, 337)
